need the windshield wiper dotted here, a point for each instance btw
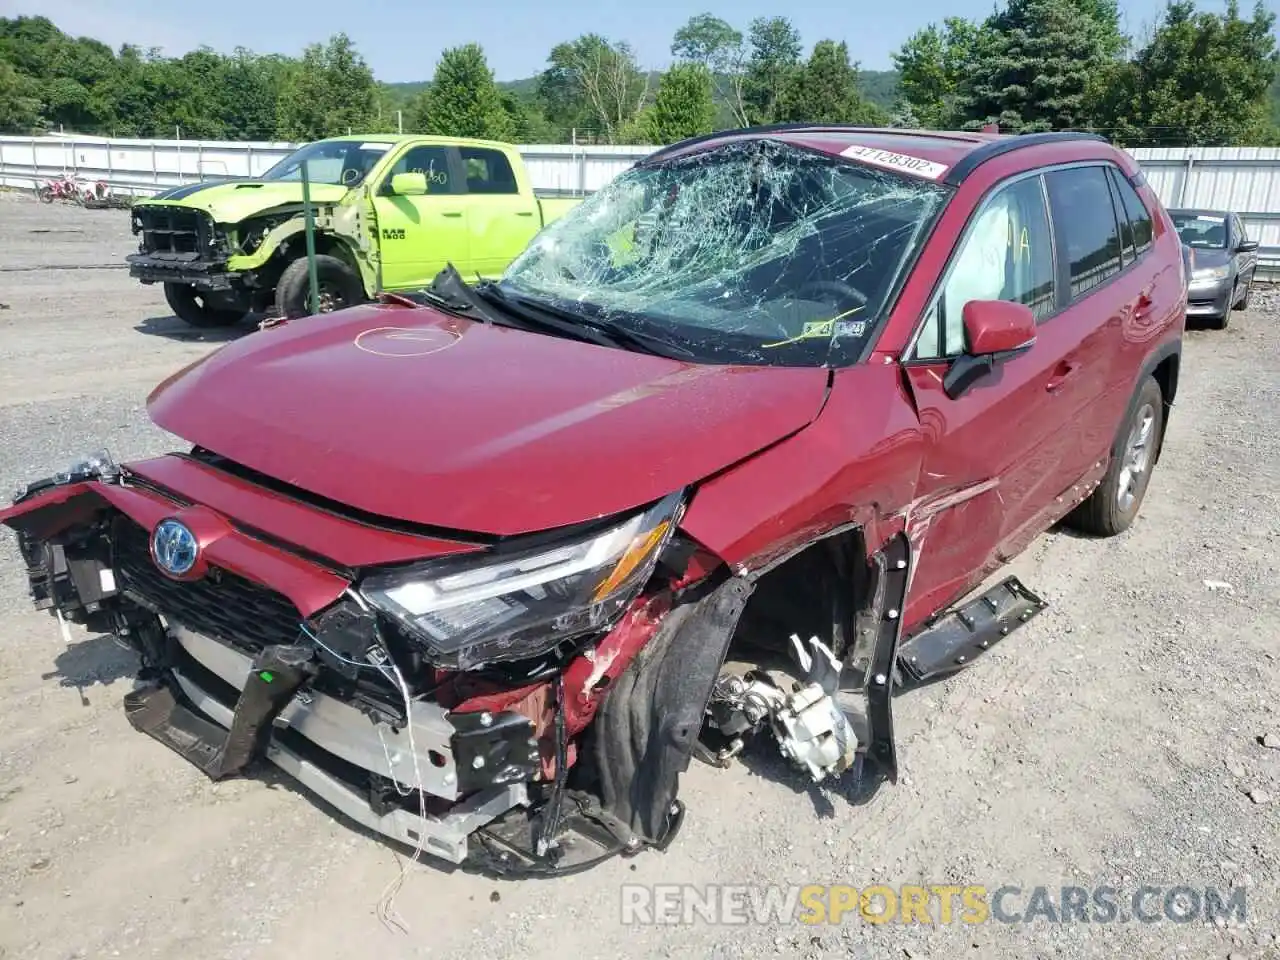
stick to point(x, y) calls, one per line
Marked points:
point(450, 293)
point(578, 325)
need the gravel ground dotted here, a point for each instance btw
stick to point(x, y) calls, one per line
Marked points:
point(1116, 740)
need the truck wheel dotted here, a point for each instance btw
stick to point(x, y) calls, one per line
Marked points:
point(340, 286)
point(1114, 504)
point(194, 308)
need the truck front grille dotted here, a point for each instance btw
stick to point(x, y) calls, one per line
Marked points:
point(173, 232)
point(222, 605)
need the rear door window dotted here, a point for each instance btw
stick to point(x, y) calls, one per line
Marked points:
point(488, 171)
point(1006, 254)
point(1085, 224)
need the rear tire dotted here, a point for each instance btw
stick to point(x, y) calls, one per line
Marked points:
point(192, 307)
point(1114, 505)
point(44, 193)
point(340, 287)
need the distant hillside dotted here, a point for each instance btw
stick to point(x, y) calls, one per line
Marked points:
point(878, 86)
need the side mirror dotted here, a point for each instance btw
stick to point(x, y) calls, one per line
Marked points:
point(998, 326)
point(1247, 246)
point(409, 184)
point(995, 330)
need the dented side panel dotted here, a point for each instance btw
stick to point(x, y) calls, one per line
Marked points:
point(857, 464)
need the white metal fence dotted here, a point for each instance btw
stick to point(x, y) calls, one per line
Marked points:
point(1244, 179)
point(144, 167)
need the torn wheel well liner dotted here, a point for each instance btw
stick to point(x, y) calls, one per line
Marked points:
point(645, 731)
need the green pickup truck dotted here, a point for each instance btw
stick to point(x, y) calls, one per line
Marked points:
point(390, 213)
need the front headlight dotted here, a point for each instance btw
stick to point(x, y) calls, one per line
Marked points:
point(94, 466)
point(1210, 273)
point(511, 608)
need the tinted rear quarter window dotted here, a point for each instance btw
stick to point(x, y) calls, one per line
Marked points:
point(1126, 227)
point(1085, 225)
point(1139, 217)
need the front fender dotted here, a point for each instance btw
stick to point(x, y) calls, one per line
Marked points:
point(856, 464)
point(340, 230)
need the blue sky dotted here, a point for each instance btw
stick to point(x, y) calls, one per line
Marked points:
point(403, 38)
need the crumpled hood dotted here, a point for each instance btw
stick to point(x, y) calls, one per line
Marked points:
point(231, 201)
point(420, 416)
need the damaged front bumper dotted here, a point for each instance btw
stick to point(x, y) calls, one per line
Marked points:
point(252, 649)
point(330, 748)
point(300, 674)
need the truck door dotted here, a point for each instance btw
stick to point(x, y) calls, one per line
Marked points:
point(419, 235)
point(502, 211)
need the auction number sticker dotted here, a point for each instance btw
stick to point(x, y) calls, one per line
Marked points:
point(895, 161)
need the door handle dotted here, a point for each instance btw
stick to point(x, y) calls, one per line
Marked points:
point(524, 213)
point(450, 213)
point(1060, 374)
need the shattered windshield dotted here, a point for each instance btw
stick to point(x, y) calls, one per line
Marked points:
point(757, 253)
point(335, 162)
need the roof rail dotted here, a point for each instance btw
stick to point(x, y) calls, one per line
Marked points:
point(662, 153)
point(998, 148)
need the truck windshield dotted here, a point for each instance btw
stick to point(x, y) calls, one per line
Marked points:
point(755, 252)
point(344, 162)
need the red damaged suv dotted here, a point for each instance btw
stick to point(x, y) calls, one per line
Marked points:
point(731, 449)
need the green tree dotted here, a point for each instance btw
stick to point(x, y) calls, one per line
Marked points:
point(140, 94)
point(1272, 136)
point(528, 125)
point(331, 92)
point(198, 99)
point(774, 59)
point(70, 74)
point(825, 90)
point(1203, 80)
point(1034, 63)
point(932, 65)
point(594, 84)
point(20, 106)
point(463, 100)
point(683, 106)
point(712, 43)
point(251, 87)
